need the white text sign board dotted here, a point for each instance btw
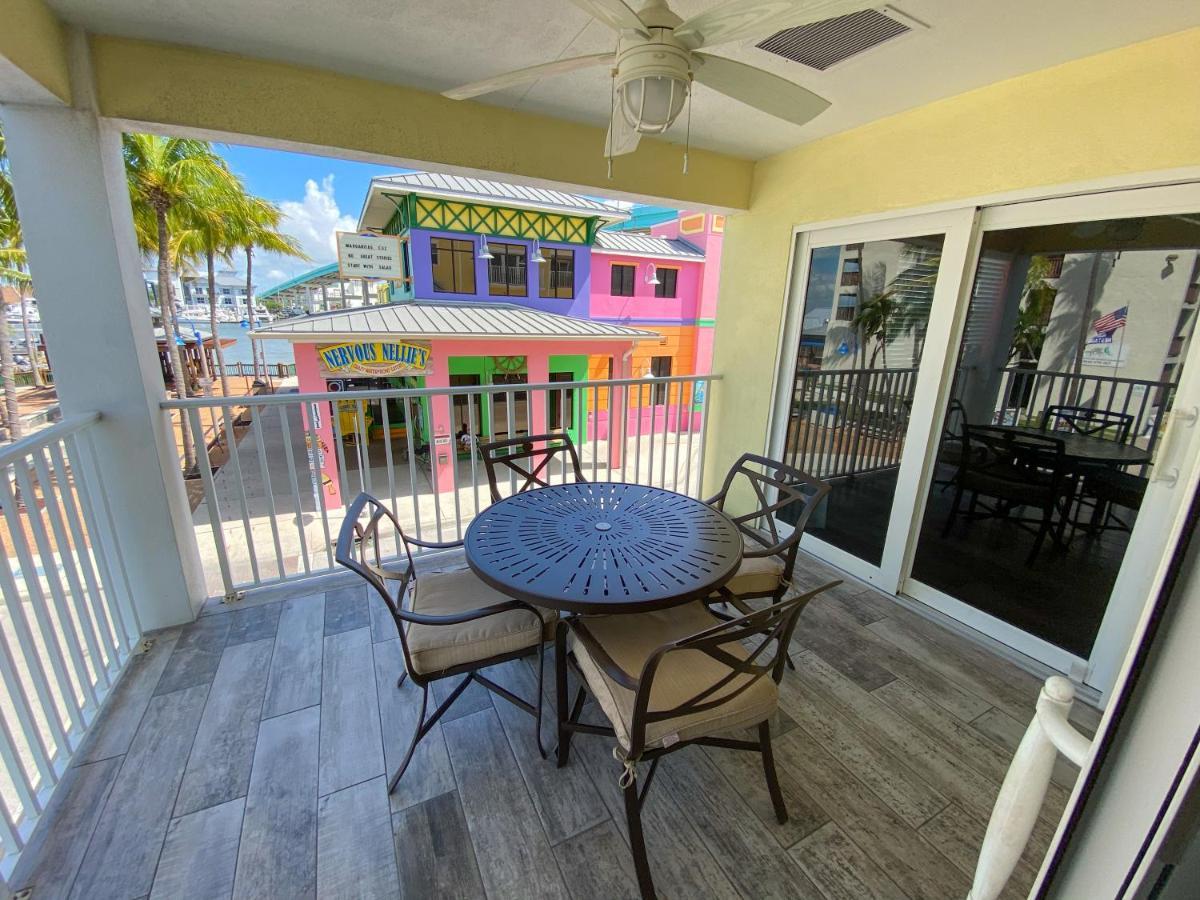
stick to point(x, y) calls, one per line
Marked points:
point(369, 255)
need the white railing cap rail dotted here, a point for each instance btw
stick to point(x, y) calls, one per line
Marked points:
point(26, 445)
point(391, 393)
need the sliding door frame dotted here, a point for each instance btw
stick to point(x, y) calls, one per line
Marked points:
point(1146, 552)
point(964, 224)
point(956, 226)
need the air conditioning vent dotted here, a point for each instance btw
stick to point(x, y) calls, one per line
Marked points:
point(820, 45)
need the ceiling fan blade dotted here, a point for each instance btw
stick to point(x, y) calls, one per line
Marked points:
point(615, 14)
point(762, 90)
point(741, 19)
point(621, 138)
point(523, 76)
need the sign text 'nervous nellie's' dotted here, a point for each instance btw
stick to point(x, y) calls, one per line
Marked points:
point(375, 358)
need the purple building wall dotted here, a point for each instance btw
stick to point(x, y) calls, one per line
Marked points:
point(422, 269)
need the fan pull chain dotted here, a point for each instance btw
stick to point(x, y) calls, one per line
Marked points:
point(687, 143)
point(612, 112)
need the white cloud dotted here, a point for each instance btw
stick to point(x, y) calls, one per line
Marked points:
point(313, 222)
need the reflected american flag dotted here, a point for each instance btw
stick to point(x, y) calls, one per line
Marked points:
point(1111, 322)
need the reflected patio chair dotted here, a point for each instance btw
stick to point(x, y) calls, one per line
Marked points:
point(953, 443)
point(1105, 488)
point(1086, 420)
point(775, 492)
point(671, 678)
point(1014, 470)
point(1096, 478)
point(529, 456)
point(449, 623)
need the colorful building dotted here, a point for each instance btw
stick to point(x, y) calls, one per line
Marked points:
point(506, 285)
point(419, 343)
point(661, 277)
point(664, 281)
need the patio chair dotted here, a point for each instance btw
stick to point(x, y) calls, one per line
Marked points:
point(1097, 423)
point(1088, 421)
point(449, 623)
point(1014, 469)
point(529, 456)
point(782, 493)
point(953, 444)
point(1105, 488)
point(672, 678)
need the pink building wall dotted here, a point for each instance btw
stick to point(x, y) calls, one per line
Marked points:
point(443, 450)
point(318, 437)
point(643, 307)
point(686, 321)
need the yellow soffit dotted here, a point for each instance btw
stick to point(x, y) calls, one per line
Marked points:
point(231, 96)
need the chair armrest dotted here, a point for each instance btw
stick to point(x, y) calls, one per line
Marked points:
point(763, 550)
point(600, 656)
point(434, 545)
point(468, 615)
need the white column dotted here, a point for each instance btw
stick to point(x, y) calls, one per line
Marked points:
point(71, 193)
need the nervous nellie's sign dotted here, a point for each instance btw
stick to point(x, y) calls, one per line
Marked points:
point(375, 358)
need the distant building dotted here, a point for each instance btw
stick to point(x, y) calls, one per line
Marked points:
point(231, 291)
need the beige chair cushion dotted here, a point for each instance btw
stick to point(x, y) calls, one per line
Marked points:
point(756, 574)
point(682, 674)
point(435, 648)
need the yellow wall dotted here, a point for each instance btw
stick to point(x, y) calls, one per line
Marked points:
point(32, 40)
point(162, 83)
point(1136, 109)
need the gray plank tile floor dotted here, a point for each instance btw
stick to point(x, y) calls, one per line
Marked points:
point(246, 755)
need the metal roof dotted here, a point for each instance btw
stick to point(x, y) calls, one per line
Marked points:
point(642, 216)
point(646, 245)
point(296, 289)
point(446, 319)
point(481, 189)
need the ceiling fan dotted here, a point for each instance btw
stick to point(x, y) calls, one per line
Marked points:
point(657, 57)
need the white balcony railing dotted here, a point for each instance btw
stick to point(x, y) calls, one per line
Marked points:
point(68, 624)
point(267, 511)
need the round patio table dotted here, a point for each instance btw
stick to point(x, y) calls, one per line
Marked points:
point(1087, 448)
point(603, 547)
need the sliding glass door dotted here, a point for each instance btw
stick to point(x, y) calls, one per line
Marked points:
point(1006, 402)
point(1069, 372)
point(864, 303)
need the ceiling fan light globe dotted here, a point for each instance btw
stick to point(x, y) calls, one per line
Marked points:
point(650, 103)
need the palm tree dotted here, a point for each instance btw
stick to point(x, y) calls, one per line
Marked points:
point(167, 176)
point(256, 225)
point(1033, 316)
point(872, 321)
point(13, 271)
point(207, 233)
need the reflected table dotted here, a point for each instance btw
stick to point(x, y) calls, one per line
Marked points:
point(603, 548)
point(1088, 448)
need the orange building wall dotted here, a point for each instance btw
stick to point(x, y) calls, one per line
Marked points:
point(678, 342)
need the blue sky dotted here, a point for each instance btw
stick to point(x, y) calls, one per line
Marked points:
point(318, 195)
point(818, 300)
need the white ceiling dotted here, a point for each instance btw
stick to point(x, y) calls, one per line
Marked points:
point(436, 44)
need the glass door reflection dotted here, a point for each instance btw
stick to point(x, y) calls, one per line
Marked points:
point(862, 335)
point(1074, 342)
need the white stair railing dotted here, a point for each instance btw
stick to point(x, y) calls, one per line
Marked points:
point(67, 621)
point(1020, 798)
